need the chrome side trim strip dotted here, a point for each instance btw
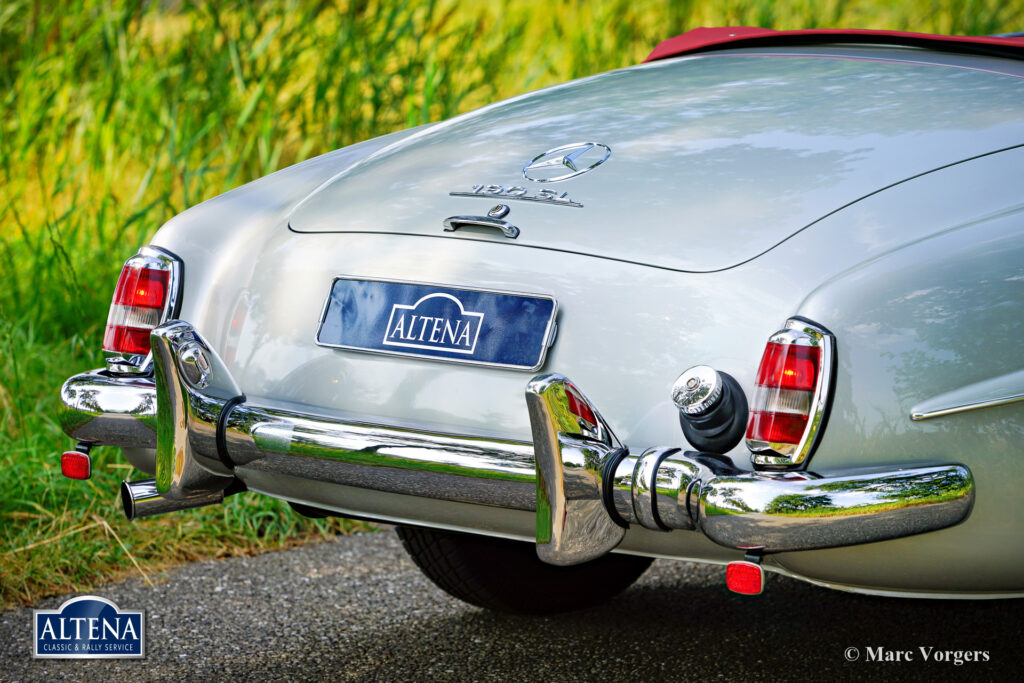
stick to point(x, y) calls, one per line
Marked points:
point(989, 393)
point(994, 403)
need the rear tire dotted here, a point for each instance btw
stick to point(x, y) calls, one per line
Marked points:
point(507, 576)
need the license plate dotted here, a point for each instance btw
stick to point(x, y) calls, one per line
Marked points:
point(438, 322)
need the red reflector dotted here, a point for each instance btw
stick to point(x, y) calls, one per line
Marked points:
point(126, 339)
point(789, 366)
point(745, 578)
point(578, 406)
point(142, 287)
point(776, 427)
point(75, 465)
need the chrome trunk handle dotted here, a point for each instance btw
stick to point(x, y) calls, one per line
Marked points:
point(453, 223)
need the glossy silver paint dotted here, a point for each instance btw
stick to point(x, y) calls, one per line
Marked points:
point(860, 206)
point(274, 310)
point(741, 148)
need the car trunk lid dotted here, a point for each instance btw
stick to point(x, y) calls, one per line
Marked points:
point(714, 159)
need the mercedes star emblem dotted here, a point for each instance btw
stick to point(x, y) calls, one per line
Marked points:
point(567, 161)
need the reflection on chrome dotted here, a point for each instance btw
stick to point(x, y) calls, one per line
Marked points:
point(573, 446)
point(676, 489)
point(374, 457)
point(782, 512)
point(187, 414)
point(142, 499)
point(120, 411)
point(645, 487)
point(584, 485)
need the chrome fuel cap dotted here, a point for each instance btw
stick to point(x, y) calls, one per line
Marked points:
point(697, 390)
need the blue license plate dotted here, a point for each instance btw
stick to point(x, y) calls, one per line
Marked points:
point(438, 322)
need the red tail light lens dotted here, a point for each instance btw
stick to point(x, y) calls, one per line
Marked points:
point(123, 339)
point(774, 427)
point(144, 298)
point(143, 287)
point(75, 465)
point(789, 366)
point(792, 389)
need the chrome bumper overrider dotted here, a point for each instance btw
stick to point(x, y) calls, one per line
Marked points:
point(585, 487)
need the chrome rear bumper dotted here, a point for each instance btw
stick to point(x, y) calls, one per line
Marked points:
point(582, 485)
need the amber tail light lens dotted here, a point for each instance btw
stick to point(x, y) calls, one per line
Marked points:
point(145, 296)
point(791, 397)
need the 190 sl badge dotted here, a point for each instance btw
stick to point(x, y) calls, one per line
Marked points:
point(519, 193)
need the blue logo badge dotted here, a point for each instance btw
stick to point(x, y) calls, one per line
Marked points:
point(88, 628)
point(437, 321)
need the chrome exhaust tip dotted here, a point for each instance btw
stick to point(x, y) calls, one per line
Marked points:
point(142, 499)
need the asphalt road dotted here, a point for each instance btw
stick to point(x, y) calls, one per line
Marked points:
point(357, 608)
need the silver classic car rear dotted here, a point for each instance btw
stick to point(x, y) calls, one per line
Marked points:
point(758, 306)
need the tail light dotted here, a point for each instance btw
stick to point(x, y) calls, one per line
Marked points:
point(793, 381)
point(146, 295)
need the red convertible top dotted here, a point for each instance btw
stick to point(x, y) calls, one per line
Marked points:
point(701, 39)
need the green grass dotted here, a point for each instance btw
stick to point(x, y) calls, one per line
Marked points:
point(114, 116)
